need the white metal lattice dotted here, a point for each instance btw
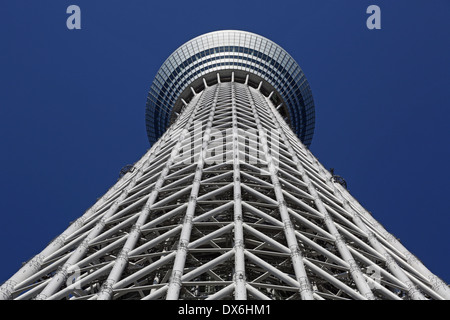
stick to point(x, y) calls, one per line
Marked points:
point(228, 204)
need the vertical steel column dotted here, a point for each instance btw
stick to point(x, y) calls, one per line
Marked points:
point(396, 270)
point(289, 231)
point(355, 209)
point(62, 273)
point(35, 263)
point(178, 267)
point(239, 258)
point(355, 272)
point(122, 259)
point(437, 284)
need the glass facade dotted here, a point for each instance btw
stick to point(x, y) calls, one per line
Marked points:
point(231, 50)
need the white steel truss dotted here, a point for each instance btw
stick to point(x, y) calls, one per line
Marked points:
point(228, 204)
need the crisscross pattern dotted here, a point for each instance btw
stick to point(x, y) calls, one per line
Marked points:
point(228, 204)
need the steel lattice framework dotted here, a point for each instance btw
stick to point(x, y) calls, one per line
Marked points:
point(227, 204)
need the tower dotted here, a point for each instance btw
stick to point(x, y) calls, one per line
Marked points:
point(228, 203)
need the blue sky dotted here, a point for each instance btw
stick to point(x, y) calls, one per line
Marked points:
point(72, 105)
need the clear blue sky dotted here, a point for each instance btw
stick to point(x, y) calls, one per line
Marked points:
point(72, 105)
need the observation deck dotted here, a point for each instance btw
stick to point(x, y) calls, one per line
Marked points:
point(213, 57)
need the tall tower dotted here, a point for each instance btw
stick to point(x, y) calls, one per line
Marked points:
point(228, 203)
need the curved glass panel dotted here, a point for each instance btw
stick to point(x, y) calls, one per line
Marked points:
point(230, 50)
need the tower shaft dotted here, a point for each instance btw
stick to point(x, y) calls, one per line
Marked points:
point(228, 204)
